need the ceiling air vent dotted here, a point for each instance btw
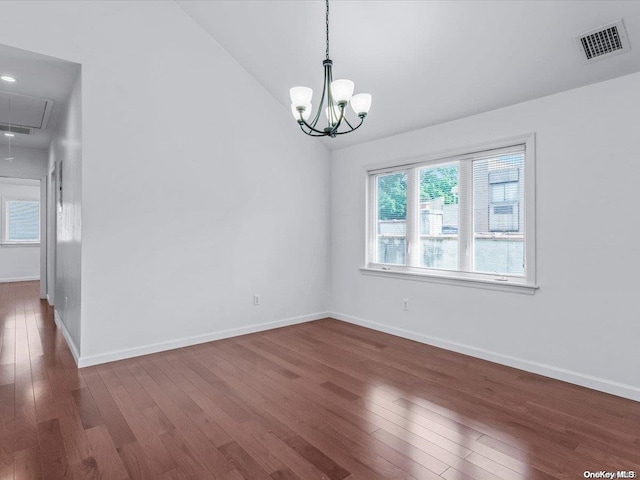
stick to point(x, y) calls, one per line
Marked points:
point(603, 42)
point(15, 129)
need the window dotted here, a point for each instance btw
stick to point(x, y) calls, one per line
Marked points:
point(21, 221)
point(392, 218)
point(466, 217)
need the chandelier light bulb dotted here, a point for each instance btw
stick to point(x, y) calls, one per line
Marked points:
point(300, 96)
point(342, 90)
point(305, 114)
point(361, 103)
point(336, 114)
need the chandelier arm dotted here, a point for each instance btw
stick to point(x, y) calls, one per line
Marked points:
point(347, 121)
point(311, 128)
point(316, 118)
point(311, 134)
point(334, 129)
point(352, 128)
point(328, 78)
point(314, 122)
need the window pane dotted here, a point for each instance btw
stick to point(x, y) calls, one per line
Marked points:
point(23, 219)
point(498, 214)
point(497, 192)
point(511, 192)
point(392, 218)
point(439, 216)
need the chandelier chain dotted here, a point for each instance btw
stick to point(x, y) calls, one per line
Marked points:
point(327, 2)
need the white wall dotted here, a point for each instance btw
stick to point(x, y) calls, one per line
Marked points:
point(198, 189)
point(582, 324)
point(65, 155)
point(30, 163)
point(19, 262)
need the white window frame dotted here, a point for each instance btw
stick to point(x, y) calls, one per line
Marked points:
point(5, 222)
point(463, 276)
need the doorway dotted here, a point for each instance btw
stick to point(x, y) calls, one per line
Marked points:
point(39, 115)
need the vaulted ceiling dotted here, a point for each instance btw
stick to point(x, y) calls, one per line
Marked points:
point(424, 62)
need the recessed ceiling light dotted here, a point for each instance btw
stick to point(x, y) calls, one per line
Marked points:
point(7, 78)
point(9, 135)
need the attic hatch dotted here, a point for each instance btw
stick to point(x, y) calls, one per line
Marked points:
point(603, 42)
point(23, 113)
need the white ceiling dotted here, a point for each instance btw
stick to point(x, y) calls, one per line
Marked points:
point(37, 76)
point(424, 62)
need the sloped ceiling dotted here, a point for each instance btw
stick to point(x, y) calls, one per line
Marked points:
point(424, 62)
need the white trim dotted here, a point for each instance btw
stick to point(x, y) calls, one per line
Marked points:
point(67, 336)
point(465, 216)
point(505, 284)
point(449, 155)
point(49, 299)
point(43, 237)
point(412, 231)
point(530, 186)
point(589, 381)
point(19, 244)
point(371, 214)
point(18, 279)
point(90, 360)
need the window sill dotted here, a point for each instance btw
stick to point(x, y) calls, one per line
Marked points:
point(489, 284)
point(15, 244)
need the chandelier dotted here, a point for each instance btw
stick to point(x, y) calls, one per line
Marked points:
point(336, 95)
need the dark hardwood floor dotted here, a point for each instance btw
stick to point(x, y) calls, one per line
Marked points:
point(322, 400)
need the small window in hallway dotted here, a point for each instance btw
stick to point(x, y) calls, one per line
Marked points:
point(20, 221)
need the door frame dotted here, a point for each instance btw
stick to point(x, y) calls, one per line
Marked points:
point(50, 237)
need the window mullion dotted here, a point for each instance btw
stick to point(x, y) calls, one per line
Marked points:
point(372, 230)
point(465, 226)
point(413, 228)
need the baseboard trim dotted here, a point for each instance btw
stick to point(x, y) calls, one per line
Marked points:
point(18, 279)
point(49, 300)
point(91, 360)
point(589, 381)
point(67, 336)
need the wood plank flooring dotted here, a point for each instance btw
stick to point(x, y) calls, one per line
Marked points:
point(323, 400)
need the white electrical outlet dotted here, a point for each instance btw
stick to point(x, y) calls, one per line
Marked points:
point(405, 304)
point(66, 302)
point(256, 300)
